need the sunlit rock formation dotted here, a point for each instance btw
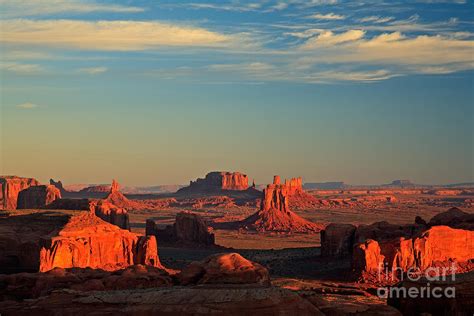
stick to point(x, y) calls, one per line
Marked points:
point(10, 186)
point(218, 181)
point(275, 213)
point(43, 240)
point(390, 249)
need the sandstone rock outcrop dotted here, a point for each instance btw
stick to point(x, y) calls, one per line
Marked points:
point(218, 181)
point(43, 240)
point(398, 248)
point(87, 241)
point(58, 185)
point(227, 268)
point(110, 213)
point(275, 213)
point(189, 228)
point(117, 198)
point(294, 186)
point(454, 217)
point(10, 186)
point(38, 196)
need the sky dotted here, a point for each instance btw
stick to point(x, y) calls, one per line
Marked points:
point(162, 92)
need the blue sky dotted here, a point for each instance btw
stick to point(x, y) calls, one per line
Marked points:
point(157, 92)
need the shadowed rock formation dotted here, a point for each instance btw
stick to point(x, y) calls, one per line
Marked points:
point(275, 213)
point(189, 228)
point(10, 187)
point(38, 196)
point(58, 185)
point(337, 240)
point(41, 241)
point(461, 304)
point(228, 268)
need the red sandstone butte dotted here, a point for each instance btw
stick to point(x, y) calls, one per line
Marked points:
point(117, 198)
point(218, 181)
point(275, 213)
point(43, 240)
point(38, 196)
point(10, 186)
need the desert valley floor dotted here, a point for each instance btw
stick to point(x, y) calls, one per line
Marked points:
point(219, 244)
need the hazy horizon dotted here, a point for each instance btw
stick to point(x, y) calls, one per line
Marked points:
point(163, 92)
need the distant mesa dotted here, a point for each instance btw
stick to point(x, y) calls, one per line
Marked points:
point(218, 181)
point(102, 188)
point(188, 229)
point(10, 187)
point(38, 196)
point(324, 186)
point(275, 214)
point(402, 183)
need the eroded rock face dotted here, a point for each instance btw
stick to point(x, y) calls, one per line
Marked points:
point(58, 185)
point(87, 241)
point(294, 185)
point(227, 268)
point(189, 228)
point(38, 196)
point(10, 187)
point(337, 240)
point(398, 248)
point(117, 198)
point(218, 181)
point(110, 213)
point(275, 213)
point(41, 241)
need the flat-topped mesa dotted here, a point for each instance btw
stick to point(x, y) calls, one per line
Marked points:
point(218, 181)
point(38, 196)
point(70, 239)
point(10, 186)
point(189, 229)
point(275, 213)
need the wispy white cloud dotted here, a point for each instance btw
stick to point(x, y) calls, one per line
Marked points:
point(228, 7)
point(328, 38)
point(27, 106)
point(92, 70)
point(376, 19)
point(20, 68)
point(109, 35)
point(24, 8)
point(410, 54)
point(328, 16)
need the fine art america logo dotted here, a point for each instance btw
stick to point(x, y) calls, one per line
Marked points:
point(422, 289)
